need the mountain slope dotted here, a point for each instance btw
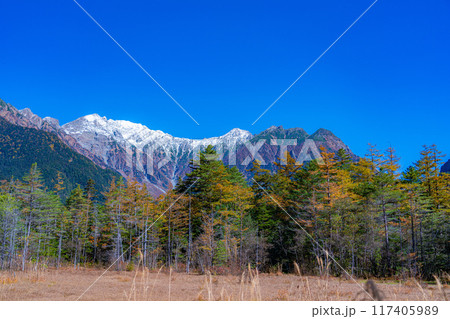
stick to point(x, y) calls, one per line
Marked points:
point(20, 147)
point(150, 156)
point(446, 167)
point(273, 143)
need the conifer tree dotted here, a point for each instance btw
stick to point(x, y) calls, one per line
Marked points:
point(78, 207)
point(114, 206)
point(29, 193)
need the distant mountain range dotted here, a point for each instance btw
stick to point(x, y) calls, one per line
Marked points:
point(160, 159)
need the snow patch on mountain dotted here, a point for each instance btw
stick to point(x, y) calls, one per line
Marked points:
point(97, 134)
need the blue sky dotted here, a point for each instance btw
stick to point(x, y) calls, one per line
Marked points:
point(385, 82)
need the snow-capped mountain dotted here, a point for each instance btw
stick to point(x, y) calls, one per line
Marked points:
point(136, 151)
point(133, 134)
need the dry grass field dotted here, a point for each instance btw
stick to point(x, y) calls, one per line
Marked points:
point(69, 284)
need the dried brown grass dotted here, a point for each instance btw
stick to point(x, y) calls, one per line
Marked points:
point(441, 288)
point(166, 284)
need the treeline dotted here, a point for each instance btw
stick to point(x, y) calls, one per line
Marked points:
point(365, 215)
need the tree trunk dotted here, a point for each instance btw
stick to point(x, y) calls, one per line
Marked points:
point(188, 259)
point(27, 238)
point(58, 264)
point(386, 238)
point(169, 246)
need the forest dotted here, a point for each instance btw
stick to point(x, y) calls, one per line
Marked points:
point(21, 146)
point(366, 215)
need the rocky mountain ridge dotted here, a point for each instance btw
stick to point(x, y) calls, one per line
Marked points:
point(160, 159)
point(26, 118)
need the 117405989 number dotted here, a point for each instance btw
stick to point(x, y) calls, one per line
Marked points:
point(382, 310)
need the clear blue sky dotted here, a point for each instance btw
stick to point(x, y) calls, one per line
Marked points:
point(385, 82)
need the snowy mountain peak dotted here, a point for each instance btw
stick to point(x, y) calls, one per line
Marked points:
point(98, 135)
point(93, 117)
point(238, 133)
point(138, 135)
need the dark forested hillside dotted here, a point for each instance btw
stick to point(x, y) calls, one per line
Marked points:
point(446, 167)
point(20, 147)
